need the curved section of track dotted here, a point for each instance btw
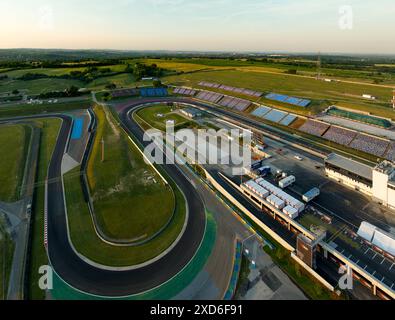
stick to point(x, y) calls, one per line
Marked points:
point(89, 279)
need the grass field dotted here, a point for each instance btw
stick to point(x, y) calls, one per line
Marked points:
point(39, 86)
point(158, 115)
point(120, 80)
point(6, 253)
point(180, 66)
point(311, 70)
point(38, 255)
point(14, 144)
point(322, 93)
point(45, 85)
point(28, 109)
point(130, 199)
point(88, 244)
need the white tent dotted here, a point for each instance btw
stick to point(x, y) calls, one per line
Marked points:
point(366, 231)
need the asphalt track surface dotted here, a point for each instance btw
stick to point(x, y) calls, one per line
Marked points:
point(92, 280)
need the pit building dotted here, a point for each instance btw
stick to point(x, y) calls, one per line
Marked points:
point(377, 182)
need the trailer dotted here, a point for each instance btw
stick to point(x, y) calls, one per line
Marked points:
point(276, 202)
point(291, 212)
point(287, 182)
point(311, 195)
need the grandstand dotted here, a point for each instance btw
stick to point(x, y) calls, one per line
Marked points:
point(247, 92)
point(209, 96)
point(275, 116)
point(315, 128)
point(184, 91)
point(226, 88)
point(261, 111)
point(235, 103)
point(370, 144)
point(288, 120)
point(153, 92)
point(125, 93)
point(287, 99)
point(359, 117)
point(390, 155)
point(340, 135)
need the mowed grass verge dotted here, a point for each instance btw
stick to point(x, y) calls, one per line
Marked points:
point(14, 145)
point(38, 255)
point(80, 221)
point(131, 201)
point(6, 254)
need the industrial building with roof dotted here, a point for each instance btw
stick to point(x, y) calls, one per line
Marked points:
point(377, 182)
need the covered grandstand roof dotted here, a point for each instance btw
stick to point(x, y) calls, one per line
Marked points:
point(350, 165)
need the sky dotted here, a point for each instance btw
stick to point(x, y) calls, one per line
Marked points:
point(351, 26)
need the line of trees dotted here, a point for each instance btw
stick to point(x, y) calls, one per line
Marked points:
point(141, 70)
point(87, 75)
point(70, 92)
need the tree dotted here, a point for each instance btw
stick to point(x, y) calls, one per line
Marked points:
point(106, 96)
point(72, 91)
point(15, 92)
point(157, 83)
point(111, 86)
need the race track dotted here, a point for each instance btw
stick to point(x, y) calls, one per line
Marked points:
point(81, 275)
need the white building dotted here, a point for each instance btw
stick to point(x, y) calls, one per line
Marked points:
point(377, 182)
point(384, 184)
point(191, 113)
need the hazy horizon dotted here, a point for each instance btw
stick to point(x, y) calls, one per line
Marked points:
point(267, 26)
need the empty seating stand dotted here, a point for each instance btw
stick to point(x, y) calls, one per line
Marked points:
point(184, 91)
point(209, 96)
point(315, 128)
point(234, 103)
point(273, 115)
point(247, 92)
point(125, 93)
point(153, 92)
point(369, 144)
point(390, 154)
point(340, 135)
point(288, 120)
point(261, 111)
point(289, 100)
